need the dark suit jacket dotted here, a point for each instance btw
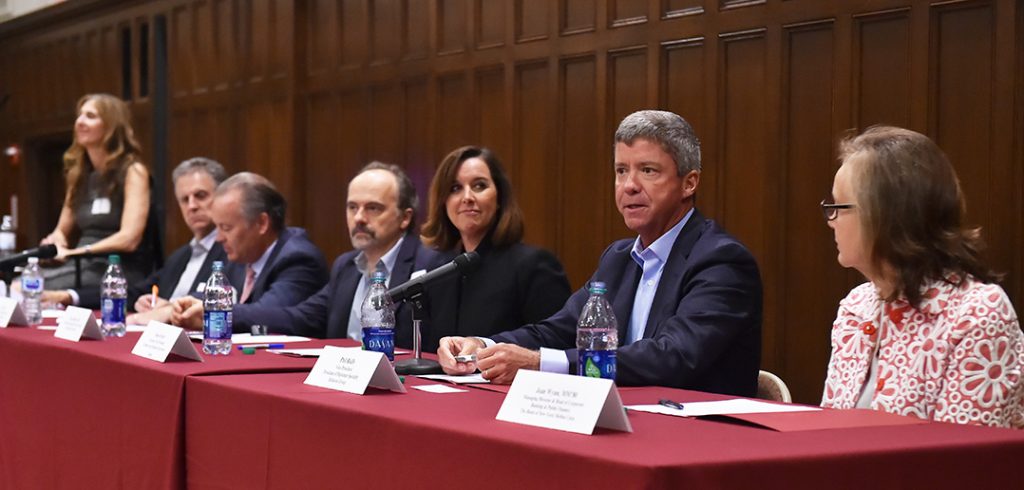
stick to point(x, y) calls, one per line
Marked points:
point(704, 329)
point(294, 271)
point(512, 286)
point(325, 314)
point(165, 278)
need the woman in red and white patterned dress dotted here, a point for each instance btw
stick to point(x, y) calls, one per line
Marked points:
point(931, 335)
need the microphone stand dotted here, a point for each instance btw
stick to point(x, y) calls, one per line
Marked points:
point(417, 365)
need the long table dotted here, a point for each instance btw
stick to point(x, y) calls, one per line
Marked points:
point(92, 415)
point(272, 431)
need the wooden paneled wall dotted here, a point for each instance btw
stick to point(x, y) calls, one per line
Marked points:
point(307, 91)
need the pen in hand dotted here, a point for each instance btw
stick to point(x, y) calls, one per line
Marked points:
point(665, 402)
point(152, 299)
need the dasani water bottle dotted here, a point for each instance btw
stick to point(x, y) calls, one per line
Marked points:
point(32, 287)
point(378, 318)
point(597, 335)
point(113, 296)
point(218, 303)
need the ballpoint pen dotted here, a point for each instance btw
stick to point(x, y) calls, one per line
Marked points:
point(665, 402)
point(152, 299)
point(260, 346)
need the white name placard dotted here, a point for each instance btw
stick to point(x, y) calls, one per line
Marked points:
point(159, 340)
point(564, 402)
point(352, 370)
point(78, 323)
point(10, 313)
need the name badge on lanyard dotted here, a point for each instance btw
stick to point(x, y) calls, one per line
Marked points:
point(101, 205)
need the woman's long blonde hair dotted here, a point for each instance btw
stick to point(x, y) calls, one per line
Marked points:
point(118, 141)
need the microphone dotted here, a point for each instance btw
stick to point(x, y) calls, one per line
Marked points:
point(43, 252)
point(464, 262)
point(411, 290)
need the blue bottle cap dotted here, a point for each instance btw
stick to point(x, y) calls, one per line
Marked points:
point(379, 277)
point(598, 287)
point(114, 259)
point(218, 265)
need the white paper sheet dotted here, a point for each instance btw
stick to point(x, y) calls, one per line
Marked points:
point(475, 378)
point(723, 407)
point(316, 351)
point(440, 389)
point(248, 338)
point(52, 313)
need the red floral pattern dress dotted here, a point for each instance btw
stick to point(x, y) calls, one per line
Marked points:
point(958, 358)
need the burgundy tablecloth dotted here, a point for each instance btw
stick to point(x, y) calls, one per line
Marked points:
point(271, 431)
point(92, 415)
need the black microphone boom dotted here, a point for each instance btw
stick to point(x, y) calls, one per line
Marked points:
point(43, 252)
point(464, 262)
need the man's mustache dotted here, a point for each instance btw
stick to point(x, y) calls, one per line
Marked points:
point(363, 229)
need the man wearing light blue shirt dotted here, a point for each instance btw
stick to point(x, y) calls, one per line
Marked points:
point(686, 294)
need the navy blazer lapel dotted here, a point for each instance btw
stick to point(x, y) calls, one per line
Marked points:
point(261, 280)
point(173, 269)
point(671, 275)
point(405, 261)
point(622, 305)
point(344, 294)
point(216, 253)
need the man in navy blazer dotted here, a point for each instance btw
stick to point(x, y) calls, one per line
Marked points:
point(381, 212)
point(271, 265)
point(687, 295)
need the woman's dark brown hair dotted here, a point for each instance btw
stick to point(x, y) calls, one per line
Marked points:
point(912, 210)
point(118, 141)
point(438, 230)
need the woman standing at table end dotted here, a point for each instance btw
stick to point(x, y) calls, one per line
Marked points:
point(931, 335)
point(107, 196)
point(472, 208)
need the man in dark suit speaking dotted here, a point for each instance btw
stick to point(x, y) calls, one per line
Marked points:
point(381, 213)
point(271, 265)
point(687, 295)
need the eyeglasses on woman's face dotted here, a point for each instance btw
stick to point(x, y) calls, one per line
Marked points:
point(830, 209)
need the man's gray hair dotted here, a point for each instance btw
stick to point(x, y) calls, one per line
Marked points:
point(407, 198)
point(200, 164)
point(258, 196)
point(669, 130)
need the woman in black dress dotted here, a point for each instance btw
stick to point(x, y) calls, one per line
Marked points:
point(472, 208)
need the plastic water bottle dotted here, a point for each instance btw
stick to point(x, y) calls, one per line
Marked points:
point(113, 298)
point(32, 289)
point(378, 318)
point(8, 240)
point(597, 335)
point(218, 302)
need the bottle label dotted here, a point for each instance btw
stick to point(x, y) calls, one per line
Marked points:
point(380, 340)
point(34, 284)
point(597, 363)
point(217, 325)
point(113, 311)
point(7, 240)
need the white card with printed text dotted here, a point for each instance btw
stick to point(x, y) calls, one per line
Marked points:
point(352, 370)
point(564, 402)
point(159, 340)
point(77, 323)
point(11, 314)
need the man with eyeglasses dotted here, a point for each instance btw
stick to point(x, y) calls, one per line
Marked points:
point(687, 295)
